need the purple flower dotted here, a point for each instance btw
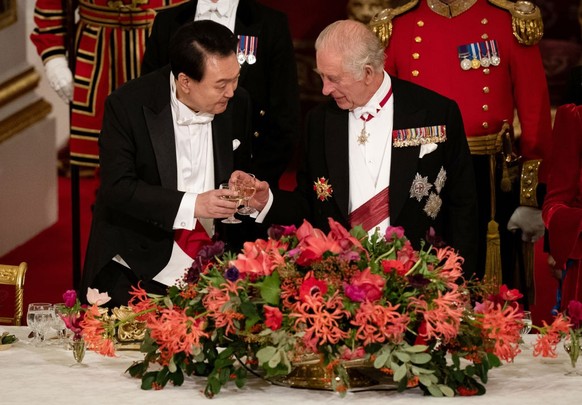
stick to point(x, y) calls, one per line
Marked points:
point(70, 298)
point(231, 274)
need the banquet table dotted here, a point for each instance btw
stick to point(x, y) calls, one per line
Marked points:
point(31, 374)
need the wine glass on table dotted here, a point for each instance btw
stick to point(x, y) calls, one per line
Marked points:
point(236, 197)
point(248, 190)
point(525, 328)
point(38, 318)
point(58, 323)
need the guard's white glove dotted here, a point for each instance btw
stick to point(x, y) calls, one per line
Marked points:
point(60, 77)
point(529, 220)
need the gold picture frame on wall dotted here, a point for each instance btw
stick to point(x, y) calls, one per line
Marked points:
point(7, 13)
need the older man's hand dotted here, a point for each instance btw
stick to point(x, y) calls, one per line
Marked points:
point(261, 197)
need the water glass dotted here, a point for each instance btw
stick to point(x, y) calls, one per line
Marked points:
point(39, 318)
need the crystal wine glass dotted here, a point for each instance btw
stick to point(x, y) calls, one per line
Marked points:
point(235, 197)
point(58, 323)
point(248, 190)
point(526, 327)
point(38, 319)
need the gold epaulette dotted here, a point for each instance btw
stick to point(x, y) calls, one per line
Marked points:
point(526, 20)
point(381, 23)
point(529, 183)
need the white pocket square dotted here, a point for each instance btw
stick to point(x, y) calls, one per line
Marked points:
point(235, 144)
point(426, 149)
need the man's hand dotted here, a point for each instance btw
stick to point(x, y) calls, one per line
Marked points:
point(261, 196)
point(210, 204)
point(529, 220)
point(60, 77)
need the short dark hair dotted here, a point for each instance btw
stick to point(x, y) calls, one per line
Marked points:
point(194, 42)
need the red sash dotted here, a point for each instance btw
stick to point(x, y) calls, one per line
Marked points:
point(192, 241)
point(372, 212)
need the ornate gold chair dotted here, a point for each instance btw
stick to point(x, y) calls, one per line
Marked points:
point(14, 275)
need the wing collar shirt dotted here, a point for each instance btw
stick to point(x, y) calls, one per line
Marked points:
point(221, 11)
point(195, 163)
point(369, 162)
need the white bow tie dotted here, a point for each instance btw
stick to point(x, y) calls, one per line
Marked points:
point(364, 111)
point(221, 7)
point(201, 118)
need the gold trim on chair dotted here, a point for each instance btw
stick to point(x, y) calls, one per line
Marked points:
point(14, 275)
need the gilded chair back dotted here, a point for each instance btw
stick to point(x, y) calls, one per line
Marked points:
point(14, 275)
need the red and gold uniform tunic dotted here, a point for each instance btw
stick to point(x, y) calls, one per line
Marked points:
point(467, 51)
point(562, 209)
point(110, 41)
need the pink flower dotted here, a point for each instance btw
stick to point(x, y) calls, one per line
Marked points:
point(94, 297)
point(394, 232)
point(70, 298)
point(342, 236)
point(365, 286)
point(575, 313)
point(273, 317)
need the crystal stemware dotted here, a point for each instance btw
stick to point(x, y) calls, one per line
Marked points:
point(235, 197)
point(526, 328)
point(38, 318)
point(58, 323)
point(248, 190)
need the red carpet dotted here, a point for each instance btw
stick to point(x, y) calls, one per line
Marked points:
point(49, 254)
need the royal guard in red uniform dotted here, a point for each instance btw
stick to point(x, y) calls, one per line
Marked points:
point(562, 209)
point(483, 55)
point(109, 43)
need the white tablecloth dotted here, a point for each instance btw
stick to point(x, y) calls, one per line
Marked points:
point(43, 375)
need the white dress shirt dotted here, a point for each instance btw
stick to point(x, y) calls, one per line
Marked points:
point(369, 163)
point(220, 11)
point(195, 162)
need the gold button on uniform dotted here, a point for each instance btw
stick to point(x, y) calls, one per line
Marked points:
point(485, 125)
point(417, 39)
point(415, 73)
point(262, 113)
point(256, 134)
point(484, 21)
point(486, 89)
point(420, 23)
point(415, 55)
point(486, 71)
point(485, 107)
point(484, 36)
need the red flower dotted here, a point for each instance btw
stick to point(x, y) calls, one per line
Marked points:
point(509, 295)
point(467, 392)
point(273, 317)
point(311, 286)
point(394, 265)
point(575, 313)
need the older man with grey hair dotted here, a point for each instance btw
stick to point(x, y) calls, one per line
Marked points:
point(384, 152)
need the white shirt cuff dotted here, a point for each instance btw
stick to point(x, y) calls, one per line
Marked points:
point(185, 216)
point(261, 215)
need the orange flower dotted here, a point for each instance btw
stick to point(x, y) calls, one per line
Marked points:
point(218, 304)
point(320, 319)
point(94, 333)
point(501, 327)
point(442, 316)
point(259, 258)
point(313, 243)
point(379, 323)
point(550, 336)
point(176, 332)
point(452, 268)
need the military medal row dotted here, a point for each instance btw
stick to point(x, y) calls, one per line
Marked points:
point(479, 54)
point(247, 49)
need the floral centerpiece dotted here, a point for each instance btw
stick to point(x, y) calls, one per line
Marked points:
point(336, 298)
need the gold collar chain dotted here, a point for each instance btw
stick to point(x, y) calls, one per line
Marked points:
point(453, 9)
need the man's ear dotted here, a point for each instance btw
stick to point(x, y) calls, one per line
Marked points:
point(368, 74)
point(182, 83)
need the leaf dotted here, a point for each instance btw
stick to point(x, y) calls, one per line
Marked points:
point(425, 380)
point(448, 391)
point(434, 390)
point(381, 360)
point(400, 373)
point(172, 365)
point(420, 358)
point(275, 360)
point(416, 349)
point(148, 379)
point(271, 289)
point(249, 310)
point(265, 354)
point(403, 357)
